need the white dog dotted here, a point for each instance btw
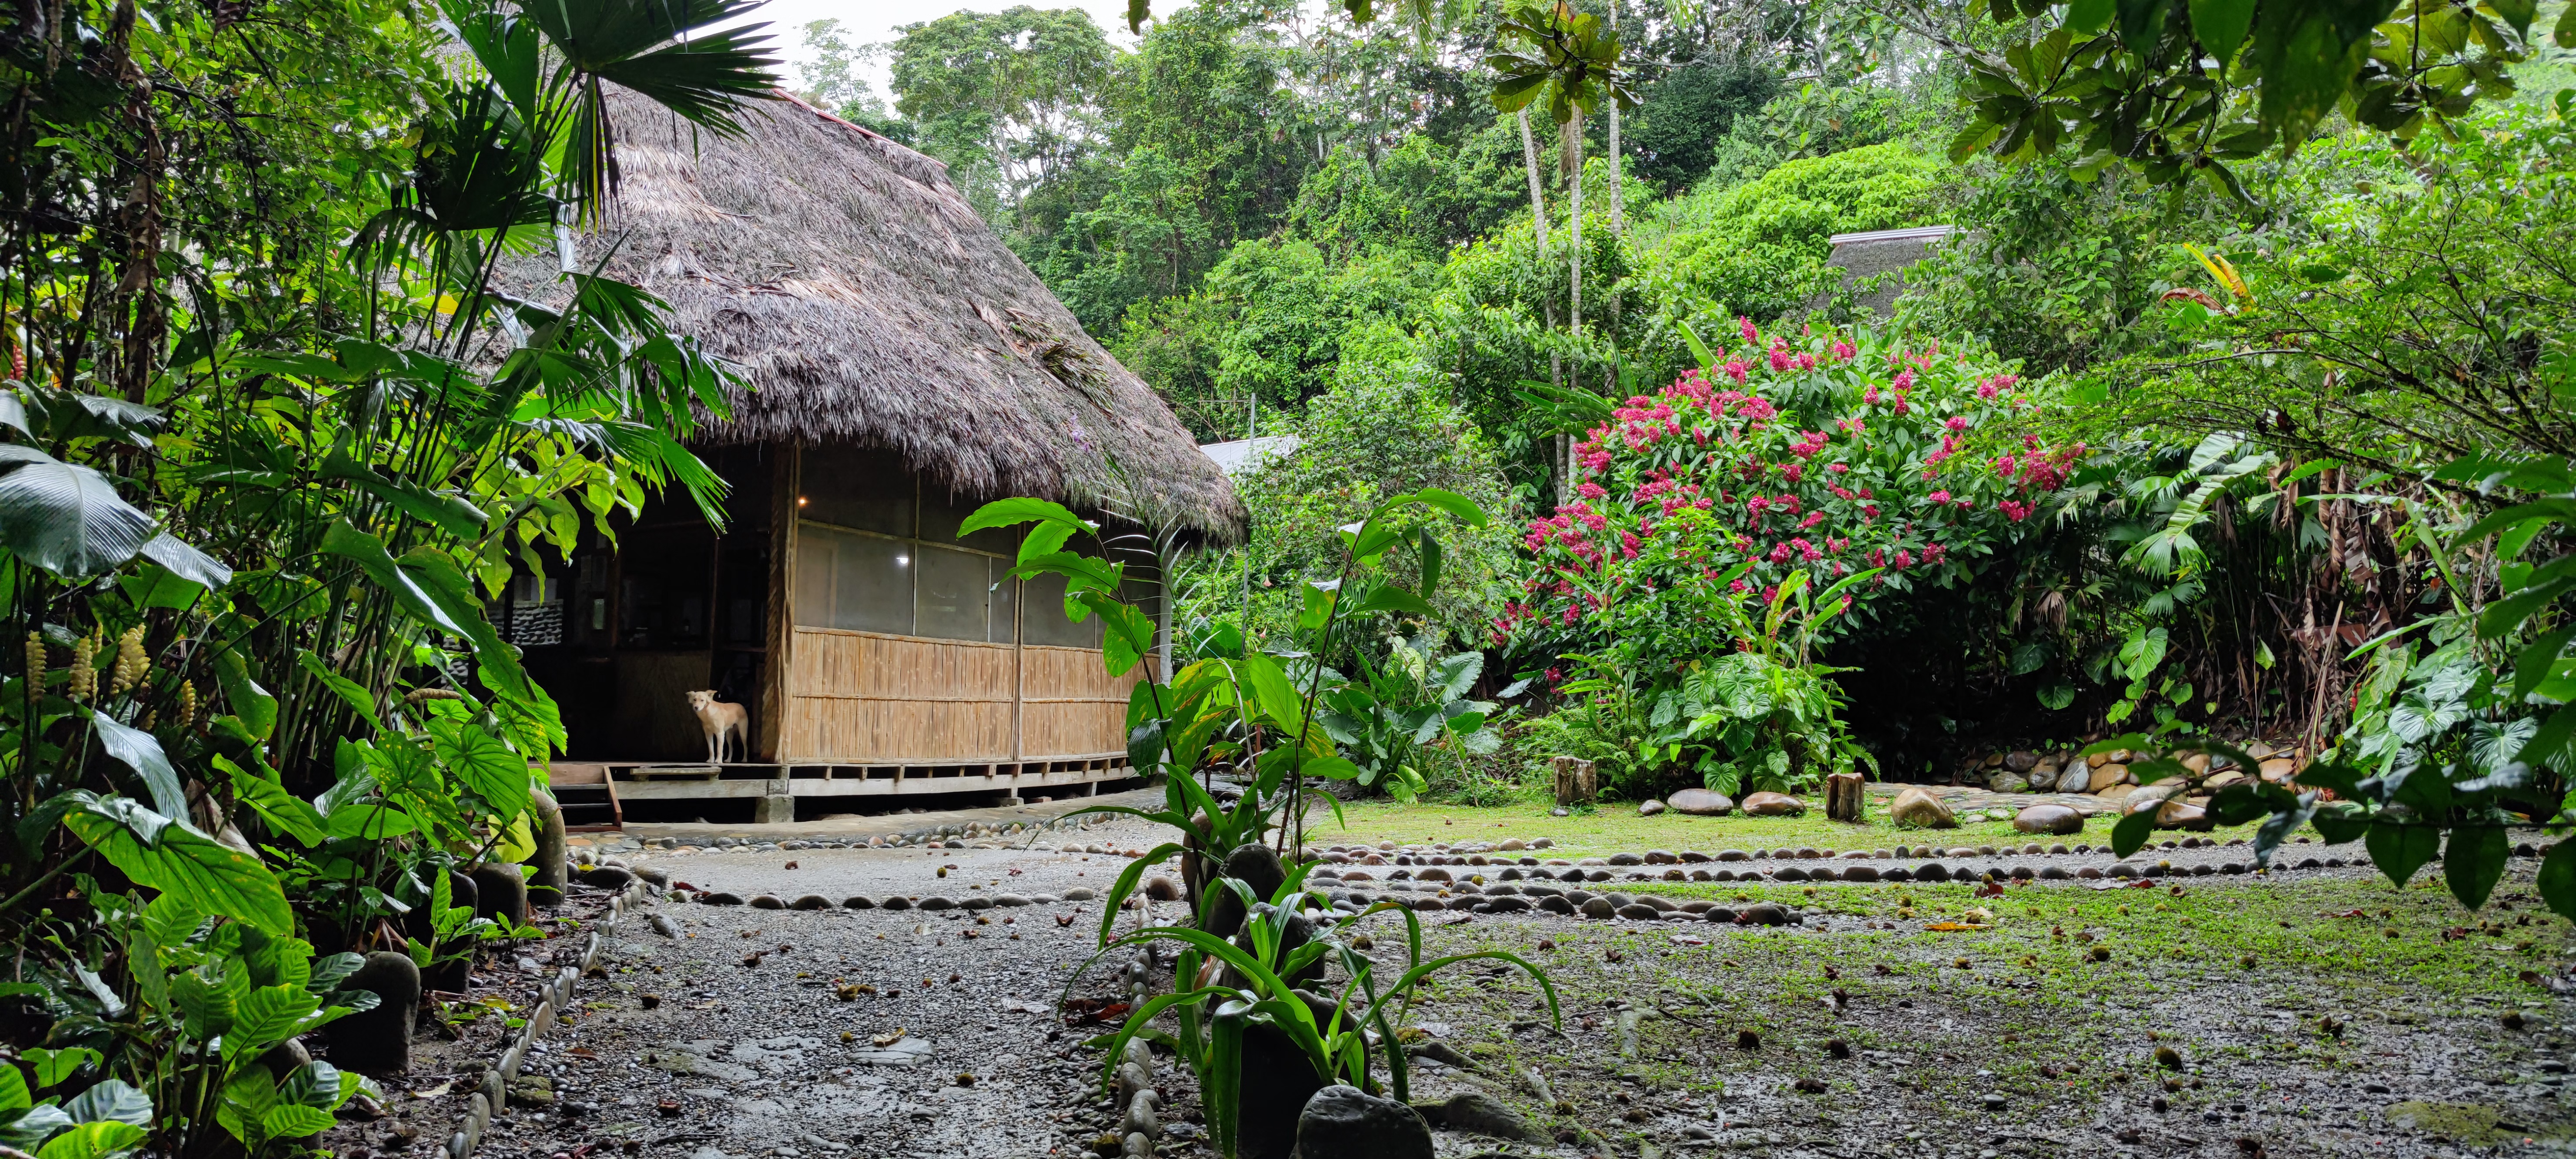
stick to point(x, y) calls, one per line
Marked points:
point(719, 718)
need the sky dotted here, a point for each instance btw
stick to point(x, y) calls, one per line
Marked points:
point(874, 22)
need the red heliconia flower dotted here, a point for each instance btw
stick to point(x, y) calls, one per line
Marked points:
point(1751, 335)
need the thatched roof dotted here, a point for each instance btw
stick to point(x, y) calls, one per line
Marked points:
point(868, 305)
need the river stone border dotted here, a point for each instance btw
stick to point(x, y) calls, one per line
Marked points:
point(552, 996)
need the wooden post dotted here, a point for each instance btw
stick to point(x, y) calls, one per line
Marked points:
point(1576, 783)
point(1843, 797)
point(784, 483)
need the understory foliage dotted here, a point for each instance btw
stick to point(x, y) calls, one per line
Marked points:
point(272, 433)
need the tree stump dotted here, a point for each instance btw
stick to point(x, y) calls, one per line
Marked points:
point(1843, 797)
point(1576, 783)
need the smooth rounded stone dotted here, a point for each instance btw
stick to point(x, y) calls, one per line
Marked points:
point(896, 902)
point(1761, 913)
point(1598, 875)
point(1341, 1122)
point(2055, 873)
point(2088, 873)
point(1511, 845)
point(858, 903)
point(1934, 871)
point(377, 1041)
point(1721, 914)
point(767, 901)
point(2232, 867)
point(2022, 873)
point(2076, 779)
point(1661, 857)
point(2103, 778)
point(2203, 870)
point(1900, 873)
point(1429, 903)
point(1477, 1113)
point(609, 877)
point(1649, 807)
point(2009, 782)
point(2021, 760)
point(2122, 870)
point(2058, 850)
point(1861, 873)
point(1600, 907)
point(1010, 901)
point(1624, 859)
point(1659, 903)
point(722, 897)
point(1504, 905)
point(1733, 855)
point(1079, 893)
point(2049, 819)
point(2178, 814)
point(1773, 805)
point(1639, 912)
point(810, 901)
point(1824, 873)
point(1435, 874)
point(1917, 808)
point(1789, 873)
point(1701, 802)
point(653, 874)
point(2145, 796)
point(975, 901)
point(1698, 906)
point(1556, 904)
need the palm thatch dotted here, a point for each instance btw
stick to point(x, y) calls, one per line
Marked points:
point(869, 306)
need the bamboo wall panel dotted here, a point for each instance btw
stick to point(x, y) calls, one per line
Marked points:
point(864, 697)
point(869, 666)
point(1073, 705)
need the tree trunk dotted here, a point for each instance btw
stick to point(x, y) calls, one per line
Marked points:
point(1564, 448)
point(1573, 136)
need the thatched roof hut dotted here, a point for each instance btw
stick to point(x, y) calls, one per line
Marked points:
point(868, 305)
point(903, 367)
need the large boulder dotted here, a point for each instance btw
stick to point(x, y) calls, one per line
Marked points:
point(2021, 761)
point(1701, 803)
point(1917, 808)
point(2078, 778)
point(2049, 819)
point(2106, 775)
point(1342, 1122)
point(1773, 805)
point(1649, 807)
point(377, 1041)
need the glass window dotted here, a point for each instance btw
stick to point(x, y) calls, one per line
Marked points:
point(1043, 621)
point(953, 600)
point(867, 490)
point(857, 583)
point(942, 513)
point(1006, 603)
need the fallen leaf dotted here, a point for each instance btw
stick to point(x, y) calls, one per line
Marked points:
point(1952, 927)
point(889, 1038)
point(434, 1092)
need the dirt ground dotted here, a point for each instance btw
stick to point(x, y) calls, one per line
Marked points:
point(2303, 1012)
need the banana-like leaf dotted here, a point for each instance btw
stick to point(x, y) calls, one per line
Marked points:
point(66, 518)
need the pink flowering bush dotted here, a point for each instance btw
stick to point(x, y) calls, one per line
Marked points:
point(1822, 453)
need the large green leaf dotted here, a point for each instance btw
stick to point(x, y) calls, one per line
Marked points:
point(293, 1121)
point(271, 1014)
point(65, 518)
point(479, 761)
point(2399, 850)
point(141, 751)
point(101, 1140)
point(2473, 860)
point(174, 858)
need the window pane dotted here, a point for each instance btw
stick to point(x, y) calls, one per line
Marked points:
point(952, 600)
point(859, 583)
point(1043, 620)
point(868, 490)
point(942, 513)
point(1006, 603)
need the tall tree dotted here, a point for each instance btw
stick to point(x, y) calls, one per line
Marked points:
point(1009, 98)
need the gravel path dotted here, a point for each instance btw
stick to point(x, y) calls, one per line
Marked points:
point(745, 1032)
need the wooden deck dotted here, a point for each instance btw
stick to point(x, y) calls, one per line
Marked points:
point(669, 781)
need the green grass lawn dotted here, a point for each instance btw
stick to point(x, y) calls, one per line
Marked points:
point(1615, 828)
